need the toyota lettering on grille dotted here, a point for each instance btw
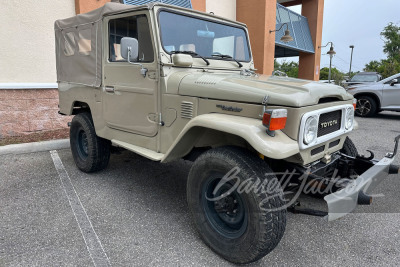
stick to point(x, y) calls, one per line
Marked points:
point(328, 123)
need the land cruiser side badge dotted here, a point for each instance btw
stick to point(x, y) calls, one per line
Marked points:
point(234, 109)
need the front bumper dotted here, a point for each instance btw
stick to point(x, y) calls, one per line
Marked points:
point(345, 200)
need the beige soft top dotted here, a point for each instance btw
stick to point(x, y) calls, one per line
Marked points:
point(79, 44)
point(93, 16)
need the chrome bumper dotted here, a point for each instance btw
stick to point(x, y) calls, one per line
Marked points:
point(345, 200)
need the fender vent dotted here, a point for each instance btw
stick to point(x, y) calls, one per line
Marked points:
point(209, 80)
point(186, 110)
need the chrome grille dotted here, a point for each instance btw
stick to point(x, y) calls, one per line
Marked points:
point(186, 110)
point(329, 122)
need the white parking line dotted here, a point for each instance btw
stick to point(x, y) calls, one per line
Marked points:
point(92, 241)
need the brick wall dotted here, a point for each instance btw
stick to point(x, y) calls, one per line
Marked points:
point(25, 111)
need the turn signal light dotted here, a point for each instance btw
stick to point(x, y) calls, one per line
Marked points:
point(275, 119)
point(354, 103)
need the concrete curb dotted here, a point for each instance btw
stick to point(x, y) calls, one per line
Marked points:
point(34, 147)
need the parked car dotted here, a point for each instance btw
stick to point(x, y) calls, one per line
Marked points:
point(171, 83)
point(376, 97)
point(363, 77)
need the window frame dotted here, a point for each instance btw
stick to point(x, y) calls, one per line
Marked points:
point(127, 15)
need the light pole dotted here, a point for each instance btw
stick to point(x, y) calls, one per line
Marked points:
point(351, 59)
point(331, 53)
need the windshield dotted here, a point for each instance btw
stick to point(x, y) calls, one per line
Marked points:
point(365, 78)
point(206, 38)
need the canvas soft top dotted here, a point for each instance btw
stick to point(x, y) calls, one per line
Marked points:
point(79, 44)
point(93, 16)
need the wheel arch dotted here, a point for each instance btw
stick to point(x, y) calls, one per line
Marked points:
point(80, 107)
point(372, 95)
point(213, 130)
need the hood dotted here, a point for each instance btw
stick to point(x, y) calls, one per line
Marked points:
point(282, 91)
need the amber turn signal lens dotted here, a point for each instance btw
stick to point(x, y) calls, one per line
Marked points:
point(354, 103)
point(275, 119)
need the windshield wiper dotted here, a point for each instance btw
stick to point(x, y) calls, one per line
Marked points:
point(192, 54)
point(227, 56)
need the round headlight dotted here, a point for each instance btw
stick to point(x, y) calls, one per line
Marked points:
point(349, 118)
point(310, 130)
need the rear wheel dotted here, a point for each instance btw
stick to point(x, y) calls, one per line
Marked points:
point(90, 152)
point(240, 225)
point(366, 106)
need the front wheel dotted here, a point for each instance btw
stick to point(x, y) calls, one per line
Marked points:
point(349, 148)
point(237, 204)
point(90, 152)
point(366, 106)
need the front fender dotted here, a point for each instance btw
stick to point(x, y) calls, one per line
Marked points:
point(278, 147)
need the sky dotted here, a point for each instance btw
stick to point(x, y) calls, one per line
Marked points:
point(358, 23)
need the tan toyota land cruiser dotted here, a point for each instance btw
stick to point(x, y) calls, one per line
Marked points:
point(171, 83)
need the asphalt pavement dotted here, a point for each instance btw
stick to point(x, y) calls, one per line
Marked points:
point(134, 213)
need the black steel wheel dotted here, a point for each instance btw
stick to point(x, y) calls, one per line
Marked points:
point(83, 146)
point(240, 225)
point(366, 106)
point(90, 152)
point(228, 215)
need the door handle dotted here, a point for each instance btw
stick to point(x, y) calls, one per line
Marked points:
point(109, 89)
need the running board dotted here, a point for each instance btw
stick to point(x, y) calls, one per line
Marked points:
point(147, 153)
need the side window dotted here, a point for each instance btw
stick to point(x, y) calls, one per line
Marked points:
point(135, 27)
point(69, 44)
point(85, 41)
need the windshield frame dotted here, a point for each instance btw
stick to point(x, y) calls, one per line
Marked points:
point(205, 19)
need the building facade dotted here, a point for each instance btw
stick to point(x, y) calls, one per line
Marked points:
point(28, 88)
point(28, 94)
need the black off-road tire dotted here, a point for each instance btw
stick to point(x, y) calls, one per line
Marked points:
point(349, 148)
point(90, 152)
point(260, 219)
point(366, 106)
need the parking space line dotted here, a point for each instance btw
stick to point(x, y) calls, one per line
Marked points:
point(92, 241)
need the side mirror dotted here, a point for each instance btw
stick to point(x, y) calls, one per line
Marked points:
point(393, 82)
point(130, 52)
point(129, 48)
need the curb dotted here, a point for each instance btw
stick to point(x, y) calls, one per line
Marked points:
point(34, 147)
